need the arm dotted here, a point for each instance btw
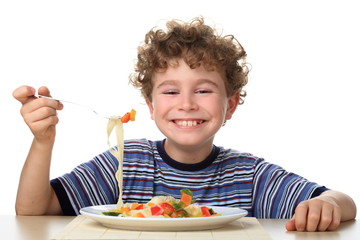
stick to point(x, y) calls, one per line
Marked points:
point(35, 196)
point(322, 213)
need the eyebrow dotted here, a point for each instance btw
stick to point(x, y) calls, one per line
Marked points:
point(167, 82)
point(198, 81)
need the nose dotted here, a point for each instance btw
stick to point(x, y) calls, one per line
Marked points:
point(187, 102)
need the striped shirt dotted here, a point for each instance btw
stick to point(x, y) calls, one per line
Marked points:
point(225, 178)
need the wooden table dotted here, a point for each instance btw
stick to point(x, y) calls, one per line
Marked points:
point(44, 227)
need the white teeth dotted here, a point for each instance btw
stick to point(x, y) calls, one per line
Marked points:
point(188, 123)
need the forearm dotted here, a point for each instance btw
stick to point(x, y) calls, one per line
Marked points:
point(346, 203)
point(35, 195)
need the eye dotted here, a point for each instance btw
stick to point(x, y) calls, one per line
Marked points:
point(203, 91)
point(170, 92)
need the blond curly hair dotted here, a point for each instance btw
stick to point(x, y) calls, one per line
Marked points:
point(198, 44)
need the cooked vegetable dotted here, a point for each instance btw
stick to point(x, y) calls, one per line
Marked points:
point(205, 211)
point(111, 213)
point(186, 199)
point(166, 207)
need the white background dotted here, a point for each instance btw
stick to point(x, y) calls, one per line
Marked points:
point(302, 108)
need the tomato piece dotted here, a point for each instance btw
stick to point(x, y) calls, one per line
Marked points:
point(156, 210)
point(205, 211)
point(141, 206)
point(168, 209)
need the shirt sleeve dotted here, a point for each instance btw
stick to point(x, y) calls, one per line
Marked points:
point(91, 183)
point(277, 192)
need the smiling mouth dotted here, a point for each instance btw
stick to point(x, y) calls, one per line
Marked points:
point(188, 123)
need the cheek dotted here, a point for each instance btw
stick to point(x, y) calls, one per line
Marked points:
point(156, 109)
point(218, 105)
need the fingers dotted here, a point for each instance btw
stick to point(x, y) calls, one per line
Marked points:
point(40, 109)
point(335, 223)
point(41, 117)
point(315, 215)
point(24, 94)
point(44, 91)
point(37, 103)
point(301, 216)
point(40, 114)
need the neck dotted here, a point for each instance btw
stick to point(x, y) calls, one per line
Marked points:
point(188, 154)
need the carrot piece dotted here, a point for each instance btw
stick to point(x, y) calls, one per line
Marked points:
point(132, 115)
point(124, 209)
point(134, 205)
point(140, 215)
point(186, 199)
point(129, 116)
point(125, 118)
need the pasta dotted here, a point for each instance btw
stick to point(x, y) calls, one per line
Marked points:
point(116, 123)
point(164, 207)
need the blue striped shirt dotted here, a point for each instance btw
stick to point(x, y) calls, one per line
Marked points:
point(225, 178)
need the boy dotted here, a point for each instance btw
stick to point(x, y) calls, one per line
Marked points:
point(192, 80)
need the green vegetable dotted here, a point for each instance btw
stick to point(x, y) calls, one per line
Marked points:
point(177, 205)
point(182, 214)
point(187, 191)
point(114, 214)
point(212, 212)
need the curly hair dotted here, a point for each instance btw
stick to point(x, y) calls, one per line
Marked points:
point(198, 44)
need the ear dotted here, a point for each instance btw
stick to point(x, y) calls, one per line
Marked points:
point(151, 108)
point(233, 102)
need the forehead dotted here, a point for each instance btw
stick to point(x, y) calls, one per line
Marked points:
point(179, 71)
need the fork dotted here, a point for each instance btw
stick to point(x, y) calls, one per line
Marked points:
point(78, 104)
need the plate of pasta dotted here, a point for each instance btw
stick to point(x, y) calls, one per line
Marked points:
point(163, 213)
point(228, 215)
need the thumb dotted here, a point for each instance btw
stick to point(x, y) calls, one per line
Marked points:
point(24, 94)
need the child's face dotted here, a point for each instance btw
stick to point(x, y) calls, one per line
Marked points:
point(190, 105)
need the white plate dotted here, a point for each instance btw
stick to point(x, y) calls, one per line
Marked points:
point(163, 224)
